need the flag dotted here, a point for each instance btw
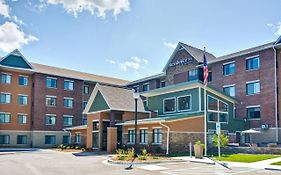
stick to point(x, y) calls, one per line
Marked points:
point(205, 69)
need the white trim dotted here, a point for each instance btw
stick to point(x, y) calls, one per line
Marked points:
point(254, 56)
point(190, 103)
point(51, 96)
point(53, 78)
point(157, 127)
point(7, 93)
point(254, 81)
point(6, 73)
point(50, 115)
point(175, 106)
point(254, 106)
point(230, 85)
point(230, 62)
point(68, 98)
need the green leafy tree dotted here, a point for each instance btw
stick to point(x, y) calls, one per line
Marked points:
point(223, 140)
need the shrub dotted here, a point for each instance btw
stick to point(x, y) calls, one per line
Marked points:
point(60, 146)
point(121, 154)
point(83, 149)
point(68, 147)
point(223, 140)
point(77, 147)
point(64, 147)
point(198, 142)
point(130, 153)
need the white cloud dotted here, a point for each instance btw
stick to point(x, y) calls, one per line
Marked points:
point(16, 20)
point(110, 61)
point(4, 9)
point(275, 27)
point(134, 64)
point(12, 37)
point(170, 45)
point(101, 6)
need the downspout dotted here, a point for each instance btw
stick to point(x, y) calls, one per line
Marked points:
point(168, 136)
point(275, 88)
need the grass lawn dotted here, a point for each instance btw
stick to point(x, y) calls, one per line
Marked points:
point(246, 158)
point(276, 163)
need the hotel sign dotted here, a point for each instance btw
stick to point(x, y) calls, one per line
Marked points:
point(181, 62)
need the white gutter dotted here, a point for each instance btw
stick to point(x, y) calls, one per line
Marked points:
point(168, 136)
point(275, 96)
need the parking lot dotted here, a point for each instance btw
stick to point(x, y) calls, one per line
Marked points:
point(48, 162)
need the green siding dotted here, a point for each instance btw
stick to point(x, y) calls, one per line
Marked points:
point(233, 124)
point(15, 61)
point(99, 103)
point(156, 102)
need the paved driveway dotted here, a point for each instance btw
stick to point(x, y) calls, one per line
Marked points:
point(47, 162)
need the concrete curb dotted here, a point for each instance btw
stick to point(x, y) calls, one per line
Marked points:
point(273, 169)
point(143, 163)
point(197, 161)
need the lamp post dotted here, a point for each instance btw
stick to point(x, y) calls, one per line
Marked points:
point(136, 97)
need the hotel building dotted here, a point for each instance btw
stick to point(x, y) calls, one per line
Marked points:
point(242, 93)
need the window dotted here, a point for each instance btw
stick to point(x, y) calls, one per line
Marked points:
point(68, 85)
point(86, 89)
point(217, 110)
point(230, 90)
point(184, 103)
point(50, 139)
point(169, 105)
point(23, 80)
point(163, 84)
point(77, 138)
point(5, 117)
point(50, 119)
point(4, 139)
point(22, 99)
point(84, 104)
point(253, 63)
point(68, 102)
point(145, 87)
point(157, 136)
point(21, 139)
point(253, 112)
point(67, 120)
point(6, 78)
point(22, 118)
point(253, 88)
point(193, 75)
point(143, 136)
point(210, 76)
point(84, 120)
point(145, 104)
point(131, 136)
point(5, 98)
point(65, 140)
point(51, 101)
point(96, 126)
point(229, 69)
point(51, 82)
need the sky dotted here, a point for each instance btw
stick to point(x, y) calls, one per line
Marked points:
point(131, 39)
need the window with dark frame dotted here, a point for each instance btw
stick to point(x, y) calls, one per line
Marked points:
point(229, 69)
point(131, 136)
point(253, 113)
point(143, 136)
point(157, 135)
point(184, 103)
point(170, 105)
point(253, 63)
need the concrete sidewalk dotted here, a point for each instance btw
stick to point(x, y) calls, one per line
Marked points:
point(264, 164)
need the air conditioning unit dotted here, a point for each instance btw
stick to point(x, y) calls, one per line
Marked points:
point(265, 126)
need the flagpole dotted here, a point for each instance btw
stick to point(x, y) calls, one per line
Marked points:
point(205, 120)
point(205, 114)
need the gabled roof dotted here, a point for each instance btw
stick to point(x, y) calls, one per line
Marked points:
point(278, 41)
point(15, 59)
point(196, 53)
point(117, 99)
point(50, 70)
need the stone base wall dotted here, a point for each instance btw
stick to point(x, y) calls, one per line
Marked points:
point(266, 136)
point(35, 139)
point(179, 142)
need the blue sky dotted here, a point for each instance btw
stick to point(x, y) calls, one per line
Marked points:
point(131, 39)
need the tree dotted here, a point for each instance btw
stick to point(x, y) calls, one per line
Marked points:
point(223, 140)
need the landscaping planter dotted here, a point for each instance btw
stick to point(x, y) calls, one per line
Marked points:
point(198, 151)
